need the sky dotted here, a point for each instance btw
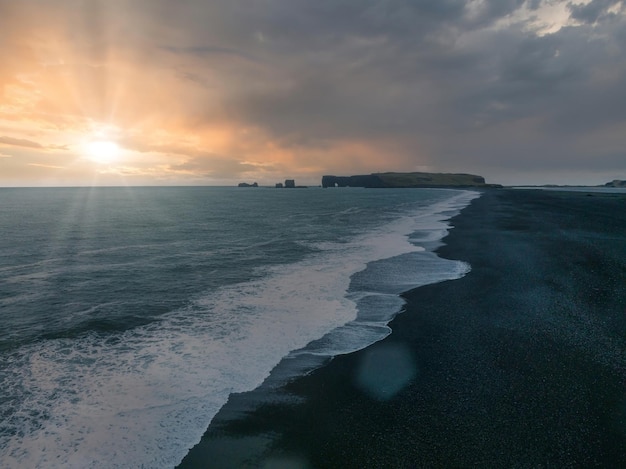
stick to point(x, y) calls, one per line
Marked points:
point(216, 92)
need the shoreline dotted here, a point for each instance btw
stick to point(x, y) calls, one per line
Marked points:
point(519, 363)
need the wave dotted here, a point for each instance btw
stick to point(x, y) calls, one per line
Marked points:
point(144, 396)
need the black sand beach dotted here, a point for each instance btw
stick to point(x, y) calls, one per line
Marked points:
point(521, 363)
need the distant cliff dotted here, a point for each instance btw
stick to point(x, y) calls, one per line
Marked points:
point(402, 180)
point(616, 183)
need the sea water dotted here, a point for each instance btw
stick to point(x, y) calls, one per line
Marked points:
point(128, 315)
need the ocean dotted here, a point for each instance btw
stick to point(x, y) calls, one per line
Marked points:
point(128, 315)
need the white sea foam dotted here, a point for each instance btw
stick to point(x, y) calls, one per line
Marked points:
point(144, 397)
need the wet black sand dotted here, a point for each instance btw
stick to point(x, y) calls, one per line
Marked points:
point(521, 363)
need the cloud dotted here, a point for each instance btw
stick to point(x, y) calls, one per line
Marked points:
point(208, 52)
point(592, 11)
point(214, 166)
point(227, 89)
point(19, 142)
point(40, 165)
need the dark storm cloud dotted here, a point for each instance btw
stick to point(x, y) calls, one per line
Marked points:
point(366, 67)
point(346, 68)
point(360, 65)
point(466, 85)
point(207, 51)
point(432, 72)
point(593, 11)
point(451, 81)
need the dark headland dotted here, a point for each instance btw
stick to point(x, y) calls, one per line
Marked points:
point(408, 180)
point(521, 363)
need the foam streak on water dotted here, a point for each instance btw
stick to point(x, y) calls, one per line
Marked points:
point(143, 396)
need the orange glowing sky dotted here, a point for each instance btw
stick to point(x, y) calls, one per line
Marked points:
point(157, 92)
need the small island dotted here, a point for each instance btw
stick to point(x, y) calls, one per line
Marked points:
point(408, 180)
point(288, 184)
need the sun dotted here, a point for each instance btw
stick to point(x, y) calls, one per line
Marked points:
point(103, 151)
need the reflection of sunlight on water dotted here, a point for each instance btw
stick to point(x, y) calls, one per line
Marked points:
point(385, 370)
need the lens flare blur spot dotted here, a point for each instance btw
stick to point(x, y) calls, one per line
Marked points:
point(385, 370)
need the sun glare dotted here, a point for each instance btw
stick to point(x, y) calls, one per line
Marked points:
point(103, 151)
